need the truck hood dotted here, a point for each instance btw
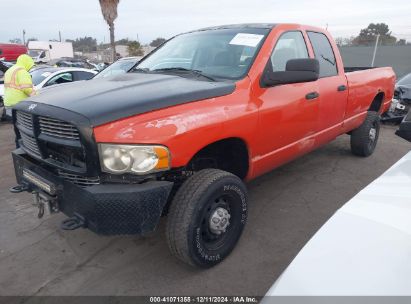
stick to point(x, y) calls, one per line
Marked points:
point(109, 99)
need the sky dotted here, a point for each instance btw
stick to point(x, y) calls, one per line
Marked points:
point(147, 20)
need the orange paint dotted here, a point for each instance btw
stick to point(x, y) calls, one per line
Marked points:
point(277, 124)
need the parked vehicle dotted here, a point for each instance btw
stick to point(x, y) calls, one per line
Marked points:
point(45, 76)
point(4, 66)
point(120, 66)
point(72, 62)
point(102, 65)
point(11, 51)
point(44, 51)
point(401, 102)
point(344, 258)
point(182, 132)
point(405, 128)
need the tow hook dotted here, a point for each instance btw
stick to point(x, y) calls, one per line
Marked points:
point(44, 203)
point(19, 188)
point(72, 223)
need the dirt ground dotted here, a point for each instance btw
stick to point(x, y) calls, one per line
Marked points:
point(287, 206)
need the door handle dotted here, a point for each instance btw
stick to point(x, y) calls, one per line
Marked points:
point(312, 95)
point(341, 88)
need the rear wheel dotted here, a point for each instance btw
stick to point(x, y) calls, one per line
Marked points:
point(207, 217)
point(364, 139)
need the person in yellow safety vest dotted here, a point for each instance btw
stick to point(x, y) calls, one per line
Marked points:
point(18, 84)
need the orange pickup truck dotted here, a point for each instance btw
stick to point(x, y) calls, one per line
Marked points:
point(181, 133)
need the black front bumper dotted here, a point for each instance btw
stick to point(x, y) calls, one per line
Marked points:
point(107, 209)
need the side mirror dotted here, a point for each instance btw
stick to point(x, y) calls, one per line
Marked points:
point(296, 71)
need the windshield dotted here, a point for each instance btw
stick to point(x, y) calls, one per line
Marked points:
point(118, 67)
point(34, 53)
point(406, 80)
point(221, 53)
point(38, 76)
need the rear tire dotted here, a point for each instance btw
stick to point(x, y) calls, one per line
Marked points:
point(364, 139)
point(207, 217)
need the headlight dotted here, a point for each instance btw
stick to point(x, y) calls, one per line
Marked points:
point(133, 159)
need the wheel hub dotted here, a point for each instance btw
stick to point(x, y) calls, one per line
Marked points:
point(219, 221)
point(373, 134)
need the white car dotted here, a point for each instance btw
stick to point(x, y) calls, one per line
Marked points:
point(121, 66)
point(45, 76)
point(363, 249)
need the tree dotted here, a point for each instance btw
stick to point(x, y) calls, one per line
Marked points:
point(369, 35)
point(134, 49)
point(15, 40)
point(84, 44)
point(402, 42)
point(123, 41)
point(340, 41)
point(348, 41)
point(109, 11)
point(157, 42)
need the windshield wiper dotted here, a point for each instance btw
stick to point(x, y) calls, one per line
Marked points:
point(179, 69)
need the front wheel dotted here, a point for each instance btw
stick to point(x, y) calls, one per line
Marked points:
point(207, 217)
point(364, 139)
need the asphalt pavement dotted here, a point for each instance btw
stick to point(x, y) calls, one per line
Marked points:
point(287, 206)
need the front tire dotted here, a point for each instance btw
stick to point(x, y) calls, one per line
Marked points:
point(207, 217)
point(364, 139)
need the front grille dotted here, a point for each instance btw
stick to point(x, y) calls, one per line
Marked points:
point(42, 136)
point(81, 181)
point(25, 120)
point(30, 144)
point(58, 128)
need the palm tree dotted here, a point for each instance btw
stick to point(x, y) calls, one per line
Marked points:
point(109, 10)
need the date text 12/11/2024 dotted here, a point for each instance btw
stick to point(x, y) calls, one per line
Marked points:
point(204, 299)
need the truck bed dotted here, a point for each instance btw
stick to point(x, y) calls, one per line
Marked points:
point(364, 85)
point(355, 69)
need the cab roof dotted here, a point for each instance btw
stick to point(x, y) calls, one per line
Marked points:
point(240, 26)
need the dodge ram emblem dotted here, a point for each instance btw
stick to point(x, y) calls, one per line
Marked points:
point(32, 107)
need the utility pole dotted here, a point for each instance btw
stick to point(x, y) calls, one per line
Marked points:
point(375, 50)
point(60, 36)
point(24, 37)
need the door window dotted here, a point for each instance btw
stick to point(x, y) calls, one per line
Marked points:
point(291, 45)
point(83, 75)
point(60, 78)
point(324, 53)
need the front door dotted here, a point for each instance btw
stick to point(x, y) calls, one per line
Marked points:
point(288, 113)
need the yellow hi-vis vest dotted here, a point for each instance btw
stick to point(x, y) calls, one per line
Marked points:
point(17, 85)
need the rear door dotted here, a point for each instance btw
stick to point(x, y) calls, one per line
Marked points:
point(332, 87)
